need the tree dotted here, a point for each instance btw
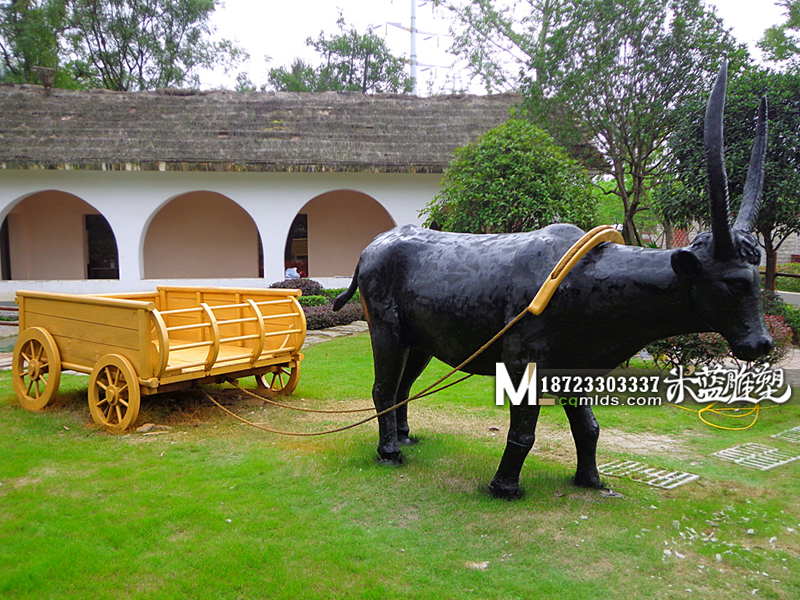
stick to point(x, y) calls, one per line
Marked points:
point(300, 77)
point(501, 41)
point(779, 216)
point(29, 37)
point(350, 61)
point(144, 44)
point(781, 43)
point(609, 72)
point(114, 44)
point(512, 178)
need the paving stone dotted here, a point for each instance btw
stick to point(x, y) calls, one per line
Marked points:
point(649, 475)
point(757, 456)
point(790, 435)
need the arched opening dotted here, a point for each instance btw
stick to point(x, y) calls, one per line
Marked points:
point(330, 231)
point(56, 235)
point(202, 235)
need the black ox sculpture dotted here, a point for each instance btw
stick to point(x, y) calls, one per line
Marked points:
point(429, 293)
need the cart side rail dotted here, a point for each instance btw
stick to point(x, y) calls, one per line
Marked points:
point(212, 326)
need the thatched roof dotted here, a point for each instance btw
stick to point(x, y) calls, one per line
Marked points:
point(180, 130)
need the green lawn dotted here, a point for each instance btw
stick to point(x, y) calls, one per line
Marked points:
point(214, 509)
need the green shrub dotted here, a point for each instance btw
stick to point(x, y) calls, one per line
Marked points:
point(512, 178)
point(772, 303)
point(332, 293)
point(706, 349)
point(319, 300)
point(792, 316)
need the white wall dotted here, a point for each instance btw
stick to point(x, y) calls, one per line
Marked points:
point(130, 200)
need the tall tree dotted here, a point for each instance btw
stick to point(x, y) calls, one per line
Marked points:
point(350, 61)
point(29, 37)
point(115, 44)
point(609, 72)
point(779, 216)
point(144, 44)
point(501, 40)
point(781, 43)
point(623, 66)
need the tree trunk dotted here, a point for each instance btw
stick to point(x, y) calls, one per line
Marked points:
point(772, 263)
point(629, 232)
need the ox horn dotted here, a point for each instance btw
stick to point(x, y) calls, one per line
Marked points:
point(715, 167)
point(751, 199)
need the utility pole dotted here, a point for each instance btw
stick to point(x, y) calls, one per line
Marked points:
point(414, 44)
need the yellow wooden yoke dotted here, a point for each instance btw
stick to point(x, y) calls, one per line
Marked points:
point(598, 235)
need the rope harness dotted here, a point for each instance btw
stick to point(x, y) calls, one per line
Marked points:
point(598, 235)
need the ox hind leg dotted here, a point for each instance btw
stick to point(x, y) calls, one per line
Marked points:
point(396, 369)
point(585, 432)
point(415, 365)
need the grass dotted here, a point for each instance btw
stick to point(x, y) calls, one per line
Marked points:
point(788, 284)
point(213, 509)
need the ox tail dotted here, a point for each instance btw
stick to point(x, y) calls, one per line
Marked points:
point(342, 298)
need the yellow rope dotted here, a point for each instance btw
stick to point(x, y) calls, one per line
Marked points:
point(755, 410)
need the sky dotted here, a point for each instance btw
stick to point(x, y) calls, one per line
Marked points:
point(279, 29)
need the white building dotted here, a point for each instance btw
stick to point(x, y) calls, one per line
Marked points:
point(104, 191)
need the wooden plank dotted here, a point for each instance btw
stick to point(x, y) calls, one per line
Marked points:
point(124, 316)
point(81, 353)
point(141, 296)
point(86, 299)
point(88, 333)
point(247, 292)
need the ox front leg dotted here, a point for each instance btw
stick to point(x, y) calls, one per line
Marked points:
point(521, 435)
point(585, 432)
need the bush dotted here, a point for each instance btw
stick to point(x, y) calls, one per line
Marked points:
point(322, 317)
point(309, 287)
point(512, 178)
point(707, 349)
point(772, 303)
point(696, 349)
point(792, 317)
point(320, 300)
point(332, 293)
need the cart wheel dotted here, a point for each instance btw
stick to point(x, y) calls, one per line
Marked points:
point(36, 368)
point(114, 393)
point(281, 381)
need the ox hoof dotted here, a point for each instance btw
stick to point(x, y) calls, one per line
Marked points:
point(505, 491)
point(390, 458)
point(407, 440)
point(591, 480)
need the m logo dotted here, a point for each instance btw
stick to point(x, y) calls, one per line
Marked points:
point(504, 387)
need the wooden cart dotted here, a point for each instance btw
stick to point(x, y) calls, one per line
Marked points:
point(152, 342)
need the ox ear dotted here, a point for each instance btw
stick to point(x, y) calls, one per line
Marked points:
point(685, 264)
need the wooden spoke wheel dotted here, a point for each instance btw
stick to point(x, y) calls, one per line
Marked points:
point(114, 393)
point(36, 368)
point(281, 381)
